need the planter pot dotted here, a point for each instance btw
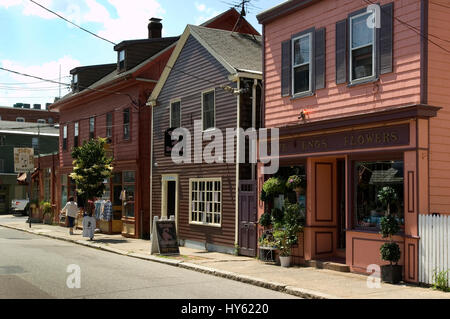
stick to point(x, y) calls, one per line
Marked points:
point(285, 261)
point(391, 273)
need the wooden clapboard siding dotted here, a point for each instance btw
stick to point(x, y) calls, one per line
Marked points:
point(401, 87)
point(439, 95)
point(200, 71)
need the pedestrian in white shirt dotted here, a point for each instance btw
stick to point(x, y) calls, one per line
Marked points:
point(71, 210)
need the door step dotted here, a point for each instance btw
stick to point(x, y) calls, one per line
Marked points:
point(323, 264)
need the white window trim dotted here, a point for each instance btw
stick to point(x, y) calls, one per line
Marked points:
point(204, 223)
point(170, 110)
point(214, 126)
point(374, 52)
point(309, 91)
point(22, 120)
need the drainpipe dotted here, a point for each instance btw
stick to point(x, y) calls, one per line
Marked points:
point(255, 84)
point(236, 240)
point(151, 173)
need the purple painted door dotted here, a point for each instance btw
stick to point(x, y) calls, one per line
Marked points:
point(247, 218)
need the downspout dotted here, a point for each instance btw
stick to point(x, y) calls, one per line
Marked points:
point(255, 84)
point(151, 173)
point(236, 240)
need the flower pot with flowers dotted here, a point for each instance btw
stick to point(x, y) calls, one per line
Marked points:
point(295, 183)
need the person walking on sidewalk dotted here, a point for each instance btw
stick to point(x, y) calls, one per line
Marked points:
point(71, 210)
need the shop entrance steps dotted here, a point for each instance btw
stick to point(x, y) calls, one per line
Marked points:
point(335, 264)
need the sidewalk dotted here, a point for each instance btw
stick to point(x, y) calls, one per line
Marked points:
point(305, 282)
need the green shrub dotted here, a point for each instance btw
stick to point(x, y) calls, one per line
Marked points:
point(273, 187)
point(277, 215)
point(440, 280)
point(389, 226)
point(390, 252)
point(265, 220)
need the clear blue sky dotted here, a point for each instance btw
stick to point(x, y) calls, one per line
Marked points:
point(36, 42)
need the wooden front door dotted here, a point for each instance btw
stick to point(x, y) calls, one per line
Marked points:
point(321, 232)
point(248, 218)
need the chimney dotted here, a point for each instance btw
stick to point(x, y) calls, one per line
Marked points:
point(154, 28)
point(47, 105)
point(36, 106)
point(26, 106)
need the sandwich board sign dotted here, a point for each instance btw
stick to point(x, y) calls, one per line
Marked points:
point(23, 160)
point(164, 237)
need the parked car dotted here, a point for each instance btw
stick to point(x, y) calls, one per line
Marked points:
point(20, 206)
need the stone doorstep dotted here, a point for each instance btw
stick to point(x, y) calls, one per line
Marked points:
point(320, 264)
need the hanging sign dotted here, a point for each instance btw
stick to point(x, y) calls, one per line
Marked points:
point(23, 160)
point(164, 237)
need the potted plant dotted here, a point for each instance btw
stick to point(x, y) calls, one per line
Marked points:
point(387, 196)
point(286, 231)
point(273, 187)
point(390, 251)
point(295, 183)
point(47, 212)
point(265, 220)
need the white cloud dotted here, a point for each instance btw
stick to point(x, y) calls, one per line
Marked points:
point(30, 90)
point(206, 13)
point(130, 22)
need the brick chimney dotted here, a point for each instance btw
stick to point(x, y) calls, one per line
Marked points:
point(154, 28)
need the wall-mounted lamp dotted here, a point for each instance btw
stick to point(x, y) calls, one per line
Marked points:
point(155, 164)
point(303, 115)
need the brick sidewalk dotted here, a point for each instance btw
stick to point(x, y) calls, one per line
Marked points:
point(305, 282)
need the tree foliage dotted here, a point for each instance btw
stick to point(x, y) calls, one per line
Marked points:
point(91, 168)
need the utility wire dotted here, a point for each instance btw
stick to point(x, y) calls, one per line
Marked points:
point(419, 32)
point(58, 15)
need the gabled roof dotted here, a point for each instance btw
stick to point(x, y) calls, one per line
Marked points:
point(112, 77)
point(237, 52)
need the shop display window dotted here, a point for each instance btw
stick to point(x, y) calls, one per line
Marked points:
point(370, 178)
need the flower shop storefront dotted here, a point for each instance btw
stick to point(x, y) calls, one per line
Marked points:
point(355, 172)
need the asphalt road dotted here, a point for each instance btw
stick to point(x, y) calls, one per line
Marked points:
point(36, 267)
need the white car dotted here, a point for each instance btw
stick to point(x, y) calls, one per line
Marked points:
point(20, 206)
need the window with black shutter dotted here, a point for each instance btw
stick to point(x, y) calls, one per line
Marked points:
point(363, 51)
point(303, 63)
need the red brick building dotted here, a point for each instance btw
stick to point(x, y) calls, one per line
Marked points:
point(31, 115)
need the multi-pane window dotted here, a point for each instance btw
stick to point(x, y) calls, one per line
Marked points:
point(109, 126)
point(2, 165)
point(20, 119)
point(91, 127)
point(208, 110)
point(205, 200)
point(126, 124)
point(301, 64)
point(64, 146)
point(175, 114)
point(362, 47)
point(76, 134)
point(41, 121)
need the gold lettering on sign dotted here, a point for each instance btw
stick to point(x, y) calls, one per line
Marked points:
point(394, 137)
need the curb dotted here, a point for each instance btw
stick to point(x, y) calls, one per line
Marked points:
point(295, 291)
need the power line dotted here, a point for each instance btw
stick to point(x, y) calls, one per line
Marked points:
point(419, 32)
point(58, 15)
point(33, 76)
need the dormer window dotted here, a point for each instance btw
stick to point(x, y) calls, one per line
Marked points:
point(121, 59)
point(75, 82)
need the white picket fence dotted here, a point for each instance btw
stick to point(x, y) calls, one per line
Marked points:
point(434, 232)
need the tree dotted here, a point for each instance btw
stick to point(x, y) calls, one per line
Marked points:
point(91, 168)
